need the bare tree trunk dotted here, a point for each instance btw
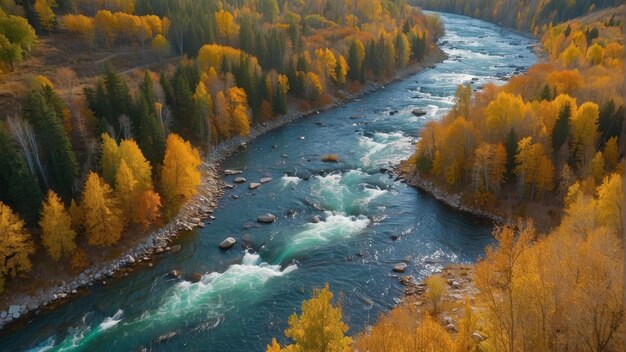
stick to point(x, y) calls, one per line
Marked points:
point(22, 132)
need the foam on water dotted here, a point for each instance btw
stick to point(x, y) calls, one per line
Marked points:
point(290, 180)
point(110, 322)
point(314, 236)
point(346, 193)
point(208, 294)
point(207, 297)
point(383, 148)
point(79, 337)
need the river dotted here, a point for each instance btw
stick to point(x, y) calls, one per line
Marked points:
point(369, 222)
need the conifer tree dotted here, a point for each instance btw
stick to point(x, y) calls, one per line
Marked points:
point(57, 151)
point(561, 131)
point(18, 186)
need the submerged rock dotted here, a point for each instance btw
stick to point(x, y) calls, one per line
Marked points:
point(175, 248)
point(418, 112)
point(266, 218)
point(227, 243)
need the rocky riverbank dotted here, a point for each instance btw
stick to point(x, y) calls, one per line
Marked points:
point(451, 199)
point(195, 213)
point(460, 286)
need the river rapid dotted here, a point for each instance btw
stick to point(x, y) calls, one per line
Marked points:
point(369, 223)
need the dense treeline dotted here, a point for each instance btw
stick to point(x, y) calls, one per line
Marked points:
point(82, 171)
point(554, 131)
point(557, 292)
point(532, 15)
point(556, 124)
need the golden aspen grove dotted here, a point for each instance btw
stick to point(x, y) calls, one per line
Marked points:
point(151, 165)
point(119, 154)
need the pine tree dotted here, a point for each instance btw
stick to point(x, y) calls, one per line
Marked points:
point(57, 151)
point(18, 187)
point(118, 96)
point(511, 150)
point(150, 137)
point(561, 131)
point(103, 221)
point(57, 234)
point(15, 245)
point(356, 57)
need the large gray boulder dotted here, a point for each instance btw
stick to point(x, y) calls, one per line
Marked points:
point(266, 218)
point(227, 243)
point(399, 268)
point(14, 309)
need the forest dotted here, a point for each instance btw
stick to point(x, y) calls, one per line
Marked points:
point(552, 135)
point(87, 161)
point(111, 108)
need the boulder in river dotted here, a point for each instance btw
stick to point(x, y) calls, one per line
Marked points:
point(176, 274)
point(418, 112)
point(266, 218)
point(399, 268)
point(239, 180)
point(316, 219)
point(254, 185)
point(175, 248)
point(266, 179)
point(227, 243)
point(229, 172)
point(229, 186)
point(196, 277)
point(330, 158)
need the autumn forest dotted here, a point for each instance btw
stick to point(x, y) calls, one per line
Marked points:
point(127, 126)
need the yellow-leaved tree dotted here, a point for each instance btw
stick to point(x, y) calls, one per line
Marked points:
point(57, 234)
point(139, 166)
point(611, 203)
point(238, 107)
point(126, 191)
point(319, 328)
point(401, 331)
point(103, 221)
point(110, 158)
point(180, 176)
point(15, 245)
